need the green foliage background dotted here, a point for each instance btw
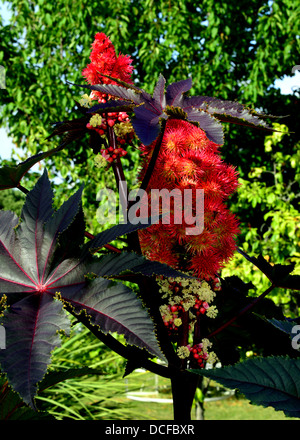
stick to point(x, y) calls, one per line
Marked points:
point(232, 51)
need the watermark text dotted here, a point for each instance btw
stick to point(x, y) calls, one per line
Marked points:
point(296, 339)
point(137, 206)
point(2, 338)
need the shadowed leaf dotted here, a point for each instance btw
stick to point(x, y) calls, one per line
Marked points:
point(271, 381)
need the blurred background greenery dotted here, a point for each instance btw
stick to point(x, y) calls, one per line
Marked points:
point(232, 50)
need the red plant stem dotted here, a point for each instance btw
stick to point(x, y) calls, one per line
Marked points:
point(118, 171)
point(197, 331)
point(21, 188)
point(183, 338)
point(241, 312)
point(107, 246)
point(154, 156)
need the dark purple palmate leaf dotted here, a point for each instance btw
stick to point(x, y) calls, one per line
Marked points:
point(32, 325)
point(159, 98)
point(209, 124)
point(174, 92)
point(150, 109)
point(115, 91)
point(112, 106)
point(146, 124)
point(39, 264)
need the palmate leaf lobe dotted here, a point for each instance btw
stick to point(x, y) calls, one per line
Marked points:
point(206, 111)
point(39, 264)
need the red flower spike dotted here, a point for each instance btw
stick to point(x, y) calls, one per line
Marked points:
point(104, 60)
point(189, 160)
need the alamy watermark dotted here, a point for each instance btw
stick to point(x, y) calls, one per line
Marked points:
point(296, 339)
point(137, 206)
point(2, 338)
point(295, 68)
point(2, 78)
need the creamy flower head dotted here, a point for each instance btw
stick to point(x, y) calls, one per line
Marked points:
point(177, 322)
point(123, 128)
point(86, 101)
point(212, 312)
point(183, 352)
point(100, 161)
point(95, 120)
point(206, 344)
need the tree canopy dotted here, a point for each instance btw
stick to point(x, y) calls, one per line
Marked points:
point(231, 50)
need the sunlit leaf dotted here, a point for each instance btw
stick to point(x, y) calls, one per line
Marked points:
point(11, 176)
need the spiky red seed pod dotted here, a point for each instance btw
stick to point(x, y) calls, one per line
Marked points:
point(188, 160)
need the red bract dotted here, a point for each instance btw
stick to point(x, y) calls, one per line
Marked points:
point(189, 160)
point(104, 60)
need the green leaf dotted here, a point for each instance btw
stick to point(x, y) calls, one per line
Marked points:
point(11, 176)
point(271, 381)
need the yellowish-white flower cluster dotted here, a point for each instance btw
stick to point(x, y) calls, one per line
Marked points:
point(187, 292)
point(100, 161)
point(123, 128)
point(177, 322)
point(199, 353)
point(86, 101)
point(212, 312)
point(183, 352)
point(206, 344)
point(190, 295)
point(212, 358)
point(95, 120)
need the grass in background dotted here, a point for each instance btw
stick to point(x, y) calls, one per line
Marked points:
point(229, 409)
point(233, 408)
point(106, 396)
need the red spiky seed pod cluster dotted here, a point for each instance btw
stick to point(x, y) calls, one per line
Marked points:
point(189, 160)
